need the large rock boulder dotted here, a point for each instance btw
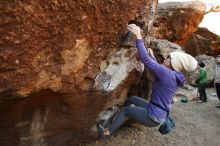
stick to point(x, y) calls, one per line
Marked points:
point(202, 41)
point(62, 67)
point(162, 47)
point(175, 21)
point(197, 45)
point(186, 92)
point(64, 57)
point(204, 32)
point(50, 44)
point(216, 47)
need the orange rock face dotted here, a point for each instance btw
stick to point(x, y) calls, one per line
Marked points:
point(62, 46)
point(61, 64)
point(202, 42)
point(176, 21)
point(45, 43)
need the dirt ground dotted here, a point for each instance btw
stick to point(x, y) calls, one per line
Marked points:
point(197, 124)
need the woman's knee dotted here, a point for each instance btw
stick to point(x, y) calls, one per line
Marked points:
point(133, 98)
point(130, 100)
point(127, 111)
point(124, 109)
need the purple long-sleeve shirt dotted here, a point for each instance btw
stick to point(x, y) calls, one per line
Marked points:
point(164, 87)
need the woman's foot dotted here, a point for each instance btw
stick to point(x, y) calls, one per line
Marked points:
point(106, 132)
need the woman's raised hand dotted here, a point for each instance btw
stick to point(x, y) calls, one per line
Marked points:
point(135, 30)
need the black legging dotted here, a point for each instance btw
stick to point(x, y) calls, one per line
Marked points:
point(202, 92)
point(139, 113)
point(217, 87)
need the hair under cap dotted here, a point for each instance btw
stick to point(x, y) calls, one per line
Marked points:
point(183, 62)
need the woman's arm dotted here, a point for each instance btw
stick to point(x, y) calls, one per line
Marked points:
point(150, 63)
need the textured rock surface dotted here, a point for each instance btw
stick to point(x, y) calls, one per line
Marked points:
point(197, 45)
point(216, 47)
point(202, 41)
point(176, 21)
point(52, 44)
point(204, 32)
point(72, 48)
point(69, 47)
point(163, 47)
point(187, 91)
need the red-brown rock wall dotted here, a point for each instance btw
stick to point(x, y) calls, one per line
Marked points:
point(202, 41)
point(49, 44)
point(62, 46)
point(176, 21)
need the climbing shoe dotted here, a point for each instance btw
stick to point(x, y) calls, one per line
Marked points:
point(100, 129)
